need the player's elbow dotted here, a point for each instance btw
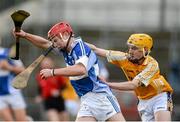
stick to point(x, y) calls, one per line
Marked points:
point(80, 73)
point(93, 47)
point(81, 70)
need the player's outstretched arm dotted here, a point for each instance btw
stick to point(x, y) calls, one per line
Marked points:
point(97, 50)
point(36, 40)
point(124, 86)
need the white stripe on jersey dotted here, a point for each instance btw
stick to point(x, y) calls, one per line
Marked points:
point(82, 48)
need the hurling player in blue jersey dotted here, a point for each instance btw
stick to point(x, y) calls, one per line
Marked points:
point(97, 100)
point(12, 103)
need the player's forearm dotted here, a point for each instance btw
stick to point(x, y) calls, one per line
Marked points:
point(98, 51)
point(122, 86)
point(74, 70)
point(37, 40)
point(101, 52)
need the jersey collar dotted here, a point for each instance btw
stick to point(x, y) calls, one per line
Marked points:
point(74, 43)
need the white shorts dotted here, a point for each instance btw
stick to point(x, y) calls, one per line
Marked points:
point(147, 108)
point(98, 105)
point(15, 100)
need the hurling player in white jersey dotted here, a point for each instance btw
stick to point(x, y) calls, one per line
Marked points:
point(97, 101)
point(12, 103)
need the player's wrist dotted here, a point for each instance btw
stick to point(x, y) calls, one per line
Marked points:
point(24, 35)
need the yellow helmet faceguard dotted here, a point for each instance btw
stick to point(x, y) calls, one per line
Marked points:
point(141, 41)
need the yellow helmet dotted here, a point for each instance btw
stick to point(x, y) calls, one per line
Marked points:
point(141, 40)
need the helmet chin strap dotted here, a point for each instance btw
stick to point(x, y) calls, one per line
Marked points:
point(68, 40)
point(136, 61)
point(145, 54)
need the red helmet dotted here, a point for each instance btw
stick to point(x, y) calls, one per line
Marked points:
point(60, 27)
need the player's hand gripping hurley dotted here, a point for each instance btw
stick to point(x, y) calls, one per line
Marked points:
point(18, 18)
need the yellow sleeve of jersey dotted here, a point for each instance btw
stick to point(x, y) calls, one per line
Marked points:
point(115, 57)
point(148, 73)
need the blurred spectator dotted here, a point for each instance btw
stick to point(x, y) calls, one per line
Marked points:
point(50, 93)
point(12, 103)
point(71, 100)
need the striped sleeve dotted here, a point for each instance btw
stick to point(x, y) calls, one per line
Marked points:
point(145, 76)
point(113, 56)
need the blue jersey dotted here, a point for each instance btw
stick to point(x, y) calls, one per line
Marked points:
point(81, 53)
point(7, 76)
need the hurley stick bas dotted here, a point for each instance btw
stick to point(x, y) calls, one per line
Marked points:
point(21, 80)
point(18, 18)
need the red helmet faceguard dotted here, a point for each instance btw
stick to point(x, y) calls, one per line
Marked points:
point(60, 27)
